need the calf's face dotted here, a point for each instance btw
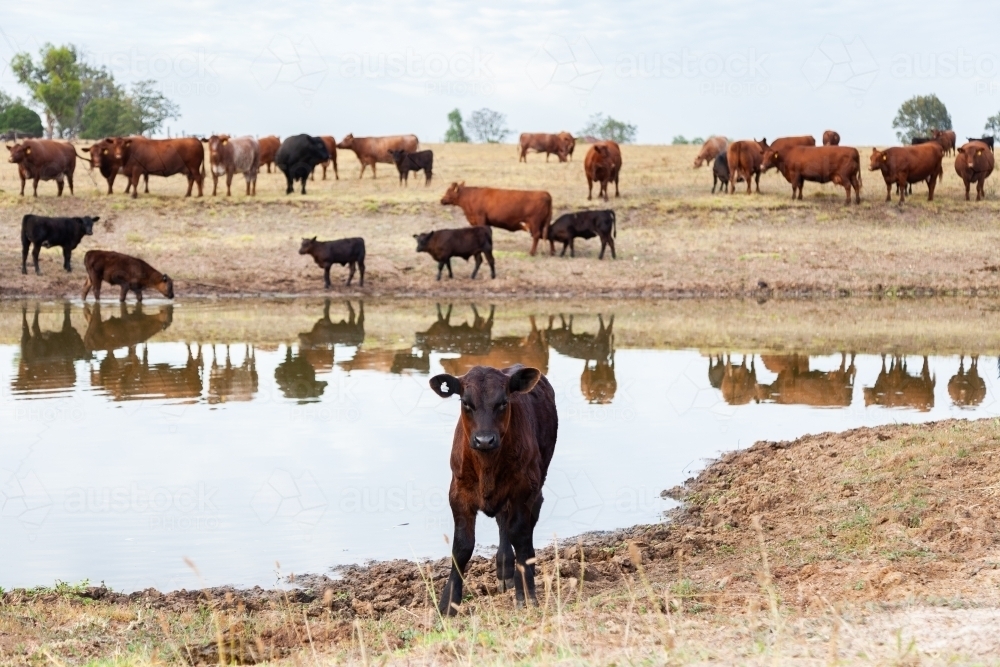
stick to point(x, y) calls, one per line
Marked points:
point(397, 156)
point(423, 240)
point(485, 394)
point(166, 286)
point(346, 142)
point(307, 246)
point(88, 224)
point(453, 193)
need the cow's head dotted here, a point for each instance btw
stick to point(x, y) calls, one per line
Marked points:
point(454, 191)
point(101, 153)
point(423, 240)
point(486, 394)
point(19, 152)
point(972, 153)
point(166, 286)
point(397, 155)
point(346, 142)
point(878, 159)
point(215, 144)
point(319, 146)
point(120, 148)
point(307, 246)
point(88, 224)
point(770, 158)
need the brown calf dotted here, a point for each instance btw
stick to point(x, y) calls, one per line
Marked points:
point(512, 210)
point(602, 164)
point(974, 164)
point(268, 147)
point(947, 139)
point(130, 273)
point(712, 148)
point(500, 455)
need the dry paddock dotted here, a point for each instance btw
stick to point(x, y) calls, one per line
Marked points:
point(675, 238)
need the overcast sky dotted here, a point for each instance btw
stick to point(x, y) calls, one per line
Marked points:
point(693, 68)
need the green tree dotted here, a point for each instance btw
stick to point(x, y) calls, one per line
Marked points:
point(109, 117)
point(488, 126)
point(607, 128)
point(18, 117)
point(993, 125)
point(151, 107)
point(697, 141)
point(54, 83)
point(456, 131)
point(919, 116)
point(679, 140)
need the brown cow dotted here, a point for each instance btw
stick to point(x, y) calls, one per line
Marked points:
point(966, 388)
point(230, 383)
point(126, 330)
point(569, 141)
point(331, 148)
point(896, 388)
point(501, 449)
point(597, 382)
point(44, 160)
point(371, 150)
point(130, 273)
point(797, 385)
point(543, 143)
point(831, 138)
point(602, 164)
point(102, 158)
point(513, 210)
point(318, 345)
point(744, 159)
point(531, 350)
point(840, 165)
point(786, 142)
point(162, 157)
point(902, 165)
point(974, 164)
point(229, 156)
point(268, 147)
point(47, 360)
point(129, 377)
point(712, 148)
point(947, 139)
point(739, 383)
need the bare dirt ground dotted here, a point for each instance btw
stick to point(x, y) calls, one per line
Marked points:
point(675, 238)
point(876, 546)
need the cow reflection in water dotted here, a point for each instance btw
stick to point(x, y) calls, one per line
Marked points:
point(127, 330)
point(232, 383)
point(47, 357)
point(317, 346)
point(966, 388)
point(797, 385)
point(738, 384)
point(530, 350)
point(895, 388)
point(296, 378)
point(597, 383)
point(131, 377)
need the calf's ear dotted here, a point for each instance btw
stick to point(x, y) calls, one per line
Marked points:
point(445, 385)
point(523, 380)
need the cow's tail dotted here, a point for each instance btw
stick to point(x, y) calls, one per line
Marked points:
point(614, 225)
point(548, 220)
point(87, 159)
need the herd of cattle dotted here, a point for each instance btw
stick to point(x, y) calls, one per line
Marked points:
point(799, 159)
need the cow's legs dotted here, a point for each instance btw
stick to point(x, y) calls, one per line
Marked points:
point(604, 243)
point(134, 183)
point(229, 183)
point(25, 245)
point(590, 189)
point(66, 255)
point(69, 181)
point(123, 294)
point(521, 529)
point(616, 185)
point(440, 269)
point(980, 190)
point(361, 283)
point(931, 184)
point(362, 174)
point(215, 184)
point(611, 242)
point(374, 174)
point(461, 552)
point(756, 182)
point(34, 257)
point(23, 182)
point(572, 246)
point(479, 262)
point(304, 185)
point(289, 185)
point(888, 191)
point(448, 262)
point(350, 275)
point(59, 186)
point(36, 186)
point(493, 270)
point(326, 276)
point(145, 184)
point(138, 301)
point(534, 245)
point(505, 556)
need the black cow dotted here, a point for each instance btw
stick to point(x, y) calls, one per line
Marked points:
point(327, 253)
point(48, 232)
point(916, 141)
point(720, 171)
point(465, 242)
point(298, 156)
point(584, 225)
point(419, 161)
point(986, 140)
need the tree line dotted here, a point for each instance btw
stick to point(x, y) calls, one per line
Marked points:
point(490, 127)
point(78, 99)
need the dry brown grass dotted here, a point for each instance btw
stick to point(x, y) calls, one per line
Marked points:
point(675, 238)
point(877, 546)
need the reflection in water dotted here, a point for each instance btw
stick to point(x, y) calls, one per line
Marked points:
point(739, 383)
point(796, 384)
point(443, 336)
point(597, 383)
point(898, 389)
point(530, 350)
point(232, 383)
point(296, 378)
point(126, 330)
point(966, 388)
point(317, 345)
point(47, 357)
point(129, 377)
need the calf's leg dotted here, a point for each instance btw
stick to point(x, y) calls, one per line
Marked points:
point(461, 552)
point(450, 274)
point(326, 276)
point(521, 529)
point(489, 259)
point(66, 254)
point(505, 556)
point(361, 270)
point(34, 257)
point(124, 293)
point(440, 269)
point(215, 184)
point(479, 262)
point(350, 274)
point(25, 244)
point(229, 183)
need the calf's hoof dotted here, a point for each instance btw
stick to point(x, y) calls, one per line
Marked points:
point(505, 584)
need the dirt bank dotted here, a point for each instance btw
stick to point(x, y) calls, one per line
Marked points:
point(866, 545)
point(675, 239)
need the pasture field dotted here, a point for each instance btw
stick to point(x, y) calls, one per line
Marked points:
point(675, 238)
point(876, 547)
